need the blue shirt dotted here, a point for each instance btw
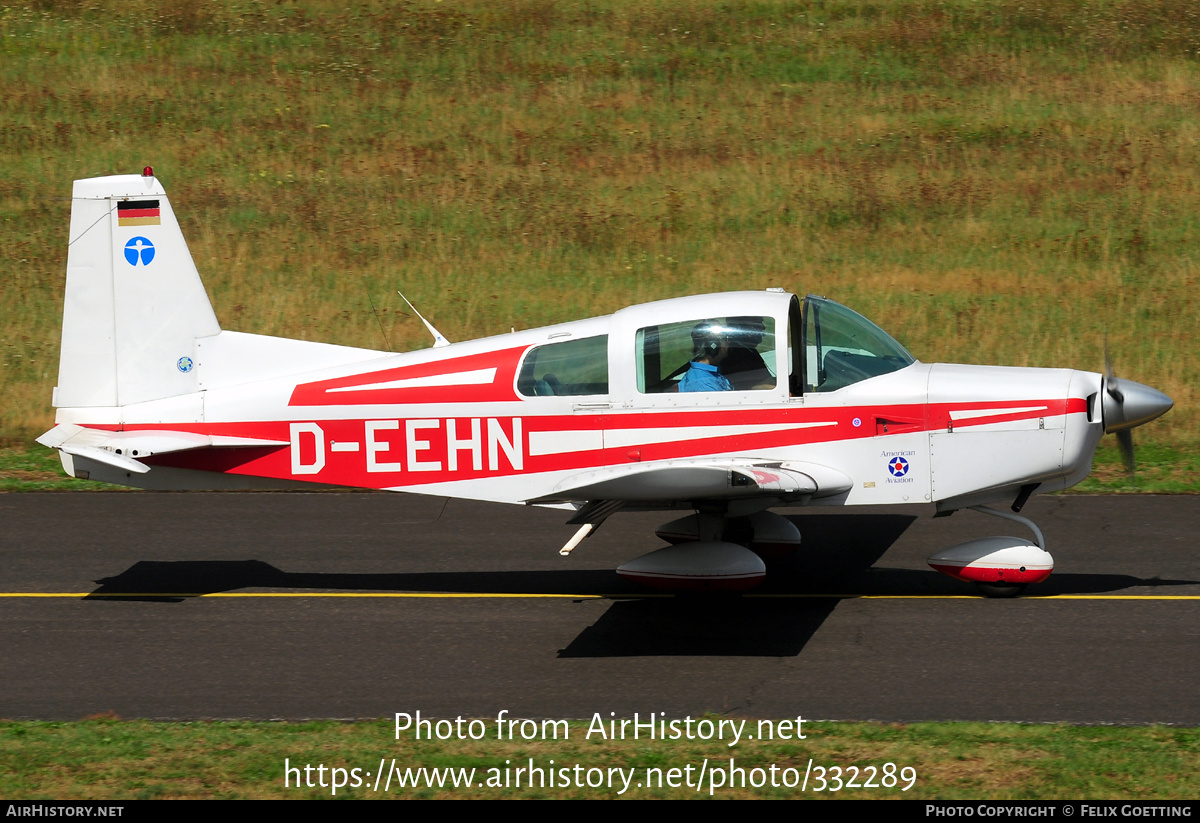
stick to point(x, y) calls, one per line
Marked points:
point(703, 377)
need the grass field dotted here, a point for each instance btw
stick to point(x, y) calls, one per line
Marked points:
point(1003, 182)
point(102, 759)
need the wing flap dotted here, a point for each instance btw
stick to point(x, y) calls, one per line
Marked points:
point(829, 482)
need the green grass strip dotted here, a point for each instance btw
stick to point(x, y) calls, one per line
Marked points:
point(108, 758)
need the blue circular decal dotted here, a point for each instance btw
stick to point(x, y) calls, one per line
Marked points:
point(857, 422)
point(139, 250)
point(898, 466)
point(184, 364)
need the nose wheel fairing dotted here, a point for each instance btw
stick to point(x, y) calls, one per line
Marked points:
point(998, 566)
point(1010, 560)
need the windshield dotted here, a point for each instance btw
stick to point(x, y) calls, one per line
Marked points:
point(843, 347)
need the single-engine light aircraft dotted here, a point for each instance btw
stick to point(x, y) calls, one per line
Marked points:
point(717, 407)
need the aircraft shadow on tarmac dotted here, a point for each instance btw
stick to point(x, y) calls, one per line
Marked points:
point(837, 561)
point(838, 551)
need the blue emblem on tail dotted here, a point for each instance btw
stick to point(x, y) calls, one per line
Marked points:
point(139, 249)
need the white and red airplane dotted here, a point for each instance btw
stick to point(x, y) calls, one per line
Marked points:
point(724, 406)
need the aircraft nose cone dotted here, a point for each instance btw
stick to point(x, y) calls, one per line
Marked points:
point(1128, 404)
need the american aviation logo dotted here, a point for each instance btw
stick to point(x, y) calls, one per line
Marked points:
point(897, 465)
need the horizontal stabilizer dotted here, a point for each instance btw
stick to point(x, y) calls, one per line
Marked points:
point(107, 457)
point(121, 448)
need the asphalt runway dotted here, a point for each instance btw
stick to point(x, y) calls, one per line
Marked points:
point(500, 621)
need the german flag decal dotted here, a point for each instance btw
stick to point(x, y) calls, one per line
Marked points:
point(138, 213)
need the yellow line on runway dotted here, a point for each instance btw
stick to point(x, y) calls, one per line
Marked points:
point(518, 595)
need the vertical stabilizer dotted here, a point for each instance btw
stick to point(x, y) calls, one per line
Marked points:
point(134, 304)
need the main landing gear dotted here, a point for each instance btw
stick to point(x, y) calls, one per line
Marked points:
point(709, 551)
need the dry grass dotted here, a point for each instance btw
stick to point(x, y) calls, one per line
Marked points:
point(996, 183)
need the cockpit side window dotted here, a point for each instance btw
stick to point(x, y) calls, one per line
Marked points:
point(572, 368)
point(842, 347)
point(707, 354)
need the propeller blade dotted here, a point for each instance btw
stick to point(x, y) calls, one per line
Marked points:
point(1126, 404)
point(1111, 384)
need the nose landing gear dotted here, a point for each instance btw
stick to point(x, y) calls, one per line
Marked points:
point(998, 566)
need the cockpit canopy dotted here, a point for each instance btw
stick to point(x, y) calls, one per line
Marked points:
point(739, 342)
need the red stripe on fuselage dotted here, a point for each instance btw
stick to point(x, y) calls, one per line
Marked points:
point(500, 388)
point(430, 435)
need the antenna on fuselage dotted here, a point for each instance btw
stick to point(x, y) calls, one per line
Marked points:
point(386, 342)
point(439, 339)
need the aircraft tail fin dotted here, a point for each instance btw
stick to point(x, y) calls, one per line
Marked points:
point(134, 305)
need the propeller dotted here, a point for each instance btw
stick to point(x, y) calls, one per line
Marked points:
point(1112, 388)
point(1125, 405)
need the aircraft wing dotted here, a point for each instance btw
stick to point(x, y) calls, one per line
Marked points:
point(683, 480)
point(120, 449)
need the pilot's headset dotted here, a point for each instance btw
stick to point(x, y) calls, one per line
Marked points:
point(707, 339)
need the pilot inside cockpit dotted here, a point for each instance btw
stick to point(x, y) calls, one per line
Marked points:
point(744, 366)
point(710, 348)
point(706, 355)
